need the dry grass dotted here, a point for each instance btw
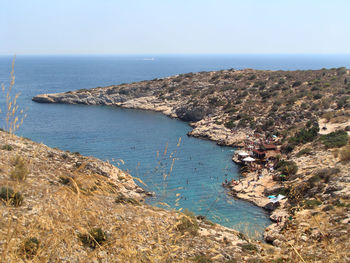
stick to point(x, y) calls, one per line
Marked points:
point(56, 213)
point(345, 154)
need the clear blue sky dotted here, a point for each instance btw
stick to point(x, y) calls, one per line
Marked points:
point(174, 26)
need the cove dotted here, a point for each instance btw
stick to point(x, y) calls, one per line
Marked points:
point(136, 136)
point(186, 174)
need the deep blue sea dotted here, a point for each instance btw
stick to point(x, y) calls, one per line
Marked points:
point(147, 142)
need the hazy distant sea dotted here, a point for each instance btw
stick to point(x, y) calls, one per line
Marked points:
point(136, 136)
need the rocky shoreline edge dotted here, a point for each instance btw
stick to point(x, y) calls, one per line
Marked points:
point(228, 106)
point(60, 195)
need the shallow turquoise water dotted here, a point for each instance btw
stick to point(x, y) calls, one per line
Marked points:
point(136, 136)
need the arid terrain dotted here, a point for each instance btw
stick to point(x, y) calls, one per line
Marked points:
point(307, 115)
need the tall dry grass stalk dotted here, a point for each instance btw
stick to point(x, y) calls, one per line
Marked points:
point(14, 117)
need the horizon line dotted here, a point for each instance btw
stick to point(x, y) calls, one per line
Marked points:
point(162, 54)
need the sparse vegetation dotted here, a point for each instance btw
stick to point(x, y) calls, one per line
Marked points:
point(9, 196)
point(305, 135)
point(304, 151)
point(30, 247)
point(20, 170)
point(202, 259)
point(122, 199)
point(287, 167)
point(249, 247)
point(187, 222)
point(7, 147)
point(95, 237)
point(312, 203)
point(335, 139)
point(345, 154)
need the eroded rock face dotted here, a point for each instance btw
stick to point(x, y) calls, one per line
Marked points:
point(191, 113)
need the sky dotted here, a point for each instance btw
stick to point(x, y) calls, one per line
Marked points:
point(174, 26)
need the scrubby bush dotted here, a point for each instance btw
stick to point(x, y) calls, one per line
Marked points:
point(288, 148)
point(317, 96)
point(95, 237)
point(287, 167)
point(122, 199)
point(7, 147)
point(335, 139)
point(341, 71)
point(342, 102)
point(311, 203)
point(305, 135)
point(249, 247)
point(229, 124)
point(9, 196)
point(187, 223)
point(296, 84)
point(303, 152)
point(64, 180)
point(345, 154)
point(30, 247)
point(326, 173)
point(252, 77)
point(20, 170)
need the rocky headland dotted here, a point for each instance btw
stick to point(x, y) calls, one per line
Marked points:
point(308, 115)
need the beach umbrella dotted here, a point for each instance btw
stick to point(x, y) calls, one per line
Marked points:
point(249, 159)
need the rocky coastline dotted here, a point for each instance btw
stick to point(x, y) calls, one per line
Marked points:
point(50, 199)
point(230, 105)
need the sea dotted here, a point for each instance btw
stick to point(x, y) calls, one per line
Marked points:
point(183, 172)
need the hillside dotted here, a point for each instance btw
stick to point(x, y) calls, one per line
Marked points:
point(58, 206)
point(305, 114)
point(216, 102)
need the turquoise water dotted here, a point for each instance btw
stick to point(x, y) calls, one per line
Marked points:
point(136, 136)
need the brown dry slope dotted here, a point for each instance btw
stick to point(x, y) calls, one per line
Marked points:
point(57, 206)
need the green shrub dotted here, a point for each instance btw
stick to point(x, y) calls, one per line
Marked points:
point(326, 173)
point(252, 77)
point(341, 71)
point(317, 96)
point(7, 147)
point(296, 84)
point(311, 203)
point(30, 247)
point(303, 152)
point(64, 180)
point(249, 247)
point(20, 170)
point(342, 102)
point(187, 223)
point(95, 237)
point(335, 139)
point(229, 124)
point(305, 135)
point(313, 180)
point(288, 148)
point(9, 196)
point(287, 167)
